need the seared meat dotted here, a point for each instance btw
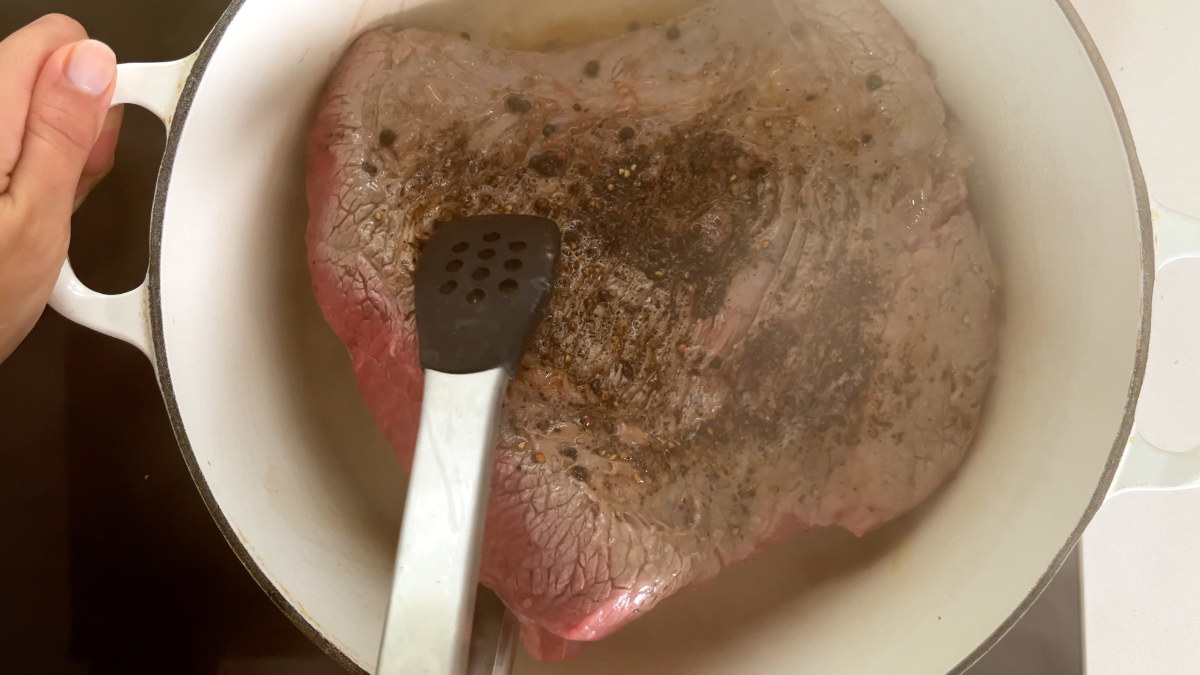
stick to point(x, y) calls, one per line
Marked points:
point(774, 311)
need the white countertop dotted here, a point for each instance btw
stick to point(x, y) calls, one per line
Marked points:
point(1141, 589)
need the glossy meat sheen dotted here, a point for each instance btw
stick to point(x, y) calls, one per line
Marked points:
point(774, 312)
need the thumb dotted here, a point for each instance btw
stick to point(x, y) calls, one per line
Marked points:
point(66, 112)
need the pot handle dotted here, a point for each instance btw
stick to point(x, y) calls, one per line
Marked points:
point(1144, 465)
point(155, 87)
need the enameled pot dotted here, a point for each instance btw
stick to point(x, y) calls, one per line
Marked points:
point(271, 425)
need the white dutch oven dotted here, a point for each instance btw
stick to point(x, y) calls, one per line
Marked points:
point(265, 408)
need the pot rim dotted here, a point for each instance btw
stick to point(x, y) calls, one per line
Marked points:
point(1146, 228)
point(159, 348)
point(306, 626)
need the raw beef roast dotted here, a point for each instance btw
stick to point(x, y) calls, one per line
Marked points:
point(774, 310)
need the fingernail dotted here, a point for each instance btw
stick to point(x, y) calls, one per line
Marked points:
point(91, 67)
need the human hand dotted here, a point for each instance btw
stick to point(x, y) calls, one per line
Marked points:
point(57, 137)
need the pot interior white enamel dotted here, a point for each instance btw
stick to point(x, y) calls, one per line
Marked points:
point(292, 465)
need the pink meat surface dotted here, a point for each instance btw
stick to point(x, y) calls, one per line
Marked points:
point(775, 310)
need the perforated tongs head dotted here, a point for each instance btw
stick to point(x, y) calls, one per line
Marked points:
point(482, 286)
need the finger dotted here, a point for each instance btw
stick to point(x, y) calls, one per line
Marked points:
point(66, 112)
point(100, 160)
point(22, 56)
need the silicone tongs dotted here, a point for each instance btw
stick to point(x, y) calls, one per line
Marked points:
point(482, 286)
